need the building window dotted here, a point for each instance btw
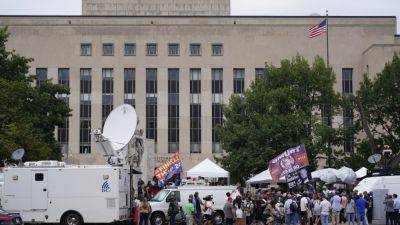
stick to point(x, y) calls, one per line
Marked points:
point(195, 111)
point(238, 81)
point(108, 49)
point(85, 111)
point(195, 49)
point(173, 49)
point(41, 76)
point(129, 86)
point(151, 49)
point(107, 92)
point(347, 80)
point(86, 49)
point(173, 110)
point(62, 131)
point(217, 49)
point(130, 49)
point(151, 104)
point(348, 125)
point(260, 73)
point(217, 90)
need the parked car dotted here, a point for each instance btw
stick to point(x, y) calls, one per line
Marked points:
point(15, 217)
point(6, 220)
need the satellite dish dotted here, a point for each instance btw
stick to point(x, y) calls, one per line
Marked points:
point(374, 159)
point(18, 154)
point(120, 126)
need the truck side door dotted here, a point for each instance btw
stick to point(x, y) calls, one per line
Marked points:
point(39, 189)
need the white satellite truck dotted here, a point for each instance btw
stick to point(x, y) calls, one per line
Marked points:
point(53, 192)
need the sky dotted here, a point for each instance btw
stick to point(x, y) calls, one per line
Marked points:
point(238, 7)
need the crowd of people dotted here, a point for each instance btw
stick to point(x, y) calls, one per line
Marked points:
point(273, 207)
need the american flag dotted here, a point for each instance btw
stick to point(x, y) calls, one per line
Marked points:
point(318, 29)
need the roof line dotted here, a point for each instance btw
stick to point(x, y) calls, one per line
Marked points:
point(173, 16)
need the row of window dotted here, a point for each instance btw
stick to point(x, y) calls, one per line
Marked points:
point(152, 49)
point(173, 103)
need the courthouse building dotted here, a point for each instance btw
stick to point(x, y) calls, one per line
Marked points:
point(177, 61)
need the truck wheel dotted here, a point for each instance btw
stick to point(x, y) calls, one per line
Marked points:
point(72, 218)
point(157, 219)
point(219, 218)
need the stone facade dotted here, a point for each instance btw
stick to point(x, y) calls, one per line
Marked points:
point(363, 44)
point(156, 7)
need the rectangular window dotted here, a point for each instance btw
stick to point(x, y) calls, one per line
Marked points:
point(86, 49)
point(195, 128)
point(347, 80)
point(195, 82)
point(107, 92)
point(108, 49)
point(348, 125)
point(217, 90)
point(151, 103)
point(41, 76)
point(173, 110)
point(195, 49)
point(151, 49)
point(129, 86)
point(217, 82)
point(85, 111)
point(260, 73)
point(238, 81)
point(62, 131)
point(217, 49)
point(216, 120)
point(130, 49)
point(173, 49)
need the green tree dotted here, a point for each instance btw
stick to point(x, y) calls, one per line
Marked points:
point(279, 112)
point(380, 101)
point(28, 113)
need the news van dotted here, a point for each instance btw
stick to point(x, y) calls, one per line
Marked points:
point(160, 202)
point(52, 192)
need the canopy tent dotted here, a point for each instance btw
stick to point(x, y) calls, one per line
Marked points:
point(362, 172)
point(207, 169)
point(264, 178)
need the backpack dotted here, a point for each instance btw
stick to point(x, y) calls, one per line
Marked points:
point(293, 206)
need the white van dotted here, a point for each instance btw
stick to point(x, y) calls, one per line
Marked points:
point(160, 202)
point(52, 192)
point(369, 184)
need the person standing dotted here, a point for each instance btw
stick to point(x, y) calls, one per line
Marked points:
point(173, 210)
point(389, 203)
point(343, 204)
point(325, 210)
point(197, 209)
point(396, 208)
point(144, 211)
point(239, 212)
point(229, 212)
point(360, 210)
point(316, 210)
point(189, 210)
point(290, 208)
point(303, 210)
point(350, 210)
point(336, 208)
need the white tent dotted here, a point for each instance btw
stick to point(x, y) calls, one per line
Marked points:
point(362, 172)
point(207, 169)
point(264, 178)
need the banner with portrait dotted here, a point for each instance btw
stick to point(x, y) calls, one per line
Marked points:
point(168, 169)
point(288, 162)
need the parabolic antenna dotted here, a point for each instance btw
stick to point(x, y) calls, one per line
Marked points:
point(120, 126)
point(18, 154)
point(374, 159)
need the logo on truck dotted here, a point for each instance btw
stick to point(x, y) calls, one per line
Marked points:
point(105, 187)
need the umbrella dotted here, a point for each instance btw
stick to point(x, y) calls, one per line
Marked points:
point(346, 175)
point(328, 175)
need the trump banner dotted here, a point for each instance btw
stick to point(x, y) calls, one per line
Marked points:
point(168, 169)
point(298, 178)
point(288, 162)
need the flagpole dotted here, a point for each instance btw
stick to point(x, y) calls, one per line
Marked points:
point(327, 38)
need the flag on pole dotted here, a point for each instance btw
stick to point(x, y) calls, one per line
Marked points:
point(168, 169)
point(318, 29)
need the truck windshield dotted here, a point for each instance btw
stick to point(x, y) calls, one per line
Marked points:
point(160, 196)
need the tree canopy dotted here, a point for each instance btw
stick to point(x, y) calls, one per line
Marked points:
point(279, 112)
point(28, 113)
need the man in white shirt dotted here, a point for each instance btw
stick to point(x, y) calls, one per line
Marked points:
point(303, 209)
point(396, 207)
point(336, 207)
point(289, 206)
point(325, 211)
